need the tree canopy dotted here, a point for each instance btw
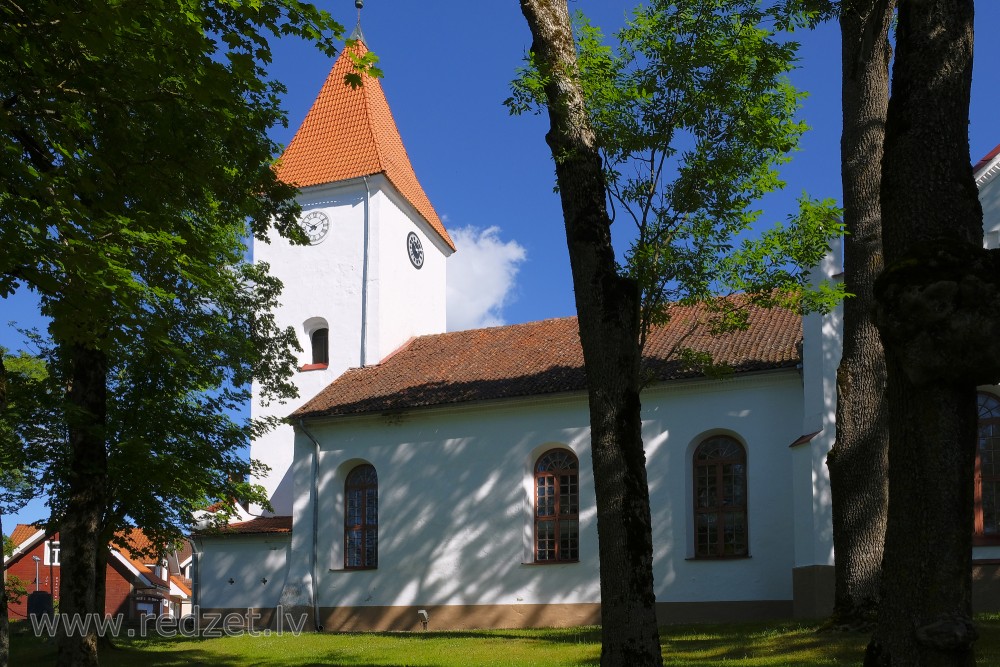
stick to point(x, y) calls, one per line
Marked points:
point(135, 166)
point(694, 116)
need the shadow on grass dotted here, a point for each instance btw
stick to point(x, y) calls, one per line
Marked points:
point(185, 652)
point(578, 635)
point(750, 644)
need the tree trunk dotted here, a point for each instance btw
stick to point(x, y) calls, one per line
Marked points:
point(105, 641)
point(80, 528)
point(858, 461)
point(931, 315)
point(4, 623)
point(608, 311)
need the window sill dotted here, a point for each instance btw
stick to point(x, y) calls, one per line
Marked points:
point(353, 569)
point(546, 563)
point(709, 559)
point(314, 367)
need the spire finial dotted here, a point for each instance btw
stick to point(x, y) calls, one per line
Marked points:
point(357, 34)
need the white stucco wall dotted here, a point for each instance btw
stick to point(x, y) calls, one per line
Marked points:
point(821, 350)
point(246, 560)
point(323, 284)
point(320, 281)
point(455, 498)
point(760, 411)
point(407, 301)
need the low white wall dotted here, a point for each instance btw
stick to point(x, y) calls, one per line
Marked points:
point(245, 559)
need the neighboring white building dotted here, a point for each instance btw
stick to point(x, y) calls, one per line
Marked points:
point(450, 473)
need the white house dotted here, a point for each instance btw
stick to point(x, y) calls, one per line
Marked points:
point(450, 473)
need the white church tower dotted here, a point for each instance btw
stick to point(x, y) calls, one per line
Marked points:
point(373, 275)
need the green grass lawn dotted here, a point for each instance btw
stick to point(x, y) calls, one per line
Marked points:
point(758, 644)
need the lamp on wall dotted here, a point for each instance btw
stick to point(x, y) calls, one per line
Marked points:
point(37, 561)
point(424, 617)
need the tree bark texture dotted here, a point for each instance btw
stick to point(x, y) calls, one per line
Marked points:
point(859, 459)
point(80, 529)
point(935, 304)
point(608, 311)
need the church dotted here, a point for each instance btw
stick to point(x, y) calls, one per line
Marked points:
point(443, 479)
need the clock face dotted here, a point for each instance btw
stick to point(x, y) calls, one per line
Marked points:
point(415, 249)
point(315, 224)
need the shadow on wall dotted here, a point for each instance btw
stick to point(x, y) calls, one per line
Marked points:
point(455, 515)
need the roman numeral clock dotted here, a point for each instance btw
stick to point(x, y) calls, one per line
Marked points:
point(315, 225)
point(415, 249)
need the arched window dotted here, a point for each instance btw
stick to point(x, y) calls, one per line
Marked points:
point(987, 519)
point(361, 518)
point(320, 346)
point(557, 507)
point(720, 498)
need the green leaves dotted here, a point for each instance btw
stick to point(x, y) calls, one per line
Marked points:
point(694, 115)
point(25, 415)
point(134, 168)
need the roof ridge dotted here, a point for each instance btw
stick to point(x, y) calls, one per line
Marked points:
point(501, 326)
point(545, 357)
point(366, 109)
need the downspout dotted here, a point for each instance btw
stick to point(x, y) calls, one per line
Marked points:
point(314, 490)
point(196, 552)
point(364, 277)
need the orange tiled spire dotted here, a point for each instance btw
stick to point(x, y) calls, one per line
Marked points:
point(349, 133)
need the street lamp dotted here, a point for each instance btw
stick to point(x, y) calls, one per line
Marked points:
point(37, 561)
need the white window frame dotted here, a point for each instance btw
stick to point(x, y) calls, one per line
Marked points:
point(48, 560)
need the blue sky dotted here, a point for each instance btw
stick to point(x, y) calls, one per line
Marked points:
point(447, 67)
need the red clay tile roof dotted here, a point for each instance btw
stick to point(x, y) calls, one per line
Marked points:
point(136, 553)
point(181, 583)
point(263, 524)
point(184, 551)
point(543, 358)
point(23, 531)
point(986, 159)
point(349, 133)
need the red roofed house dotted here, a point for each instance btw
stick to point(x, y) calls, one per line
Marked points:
point(136, 585)
point(450, 473)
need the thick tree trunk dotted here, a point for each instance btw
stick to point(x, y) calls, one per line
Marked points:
point(608, 312)
point(858, 461)
point(80, 529)
point(936, 307)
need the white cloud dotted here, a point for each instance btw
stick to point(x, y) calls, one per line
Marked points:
point(481, 277)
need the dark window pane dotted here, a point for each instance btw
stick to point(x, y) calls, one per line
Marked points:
point(361, 517)
point(720, 487)
point(321, 346)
